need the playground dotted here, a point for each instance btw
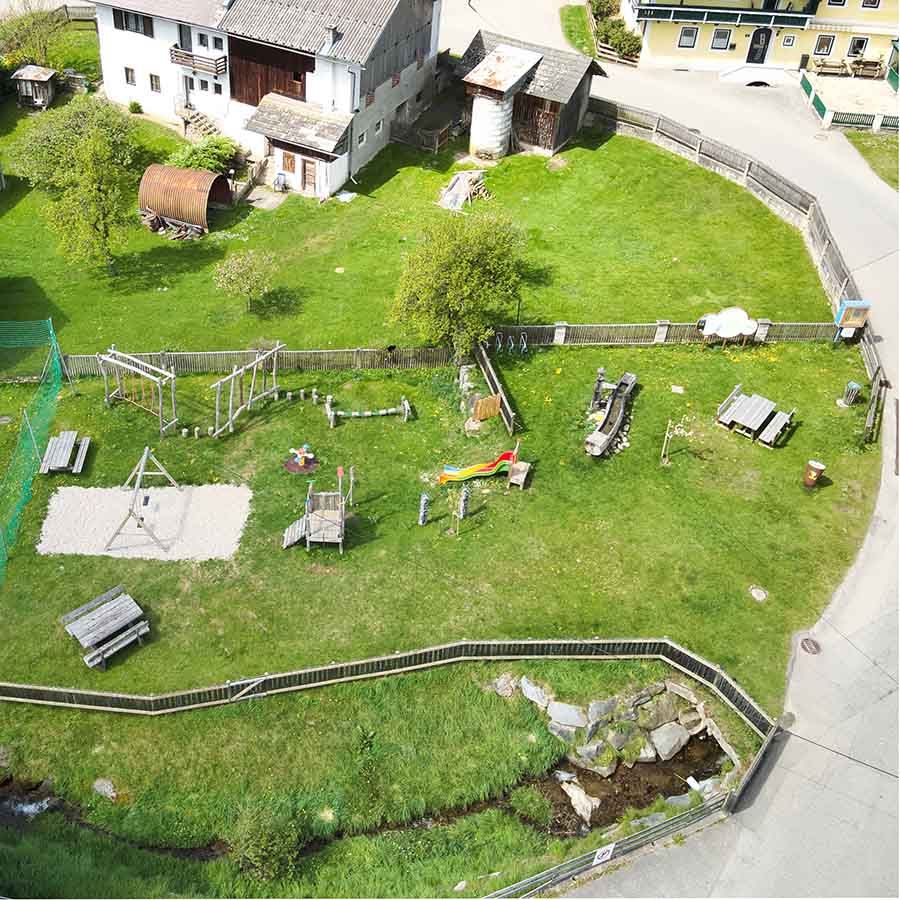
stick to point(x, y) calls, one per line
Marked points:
point(611, 545)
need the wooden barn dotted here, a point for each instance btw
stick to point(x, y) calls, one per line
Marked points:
point(35, 86)
point(523, 95)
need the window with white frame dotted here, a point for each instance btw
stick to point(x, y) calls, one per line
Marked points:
point(155, 85)
point(217, 88)
point(204, 84)
point(871, 4)
point(202, 39)
point(378, 126)
point(361, 139)
point(789, 40)
point(857, 46)
point(129, 76)
point(721, 39)
point(837, 2)
point(824, 43)
point(217, 43)
point(687, 37)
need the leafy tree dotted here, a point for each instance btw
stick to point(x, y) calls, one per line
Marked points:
point(214, 153)
point(82, 154)
point(463, 276)
point(604, 9)
point(246, 274)
point(28, 34)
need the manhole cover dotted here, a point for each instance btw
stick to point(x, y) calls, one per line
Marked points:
point(5, 420)
point(760, 595)
point(810, 645)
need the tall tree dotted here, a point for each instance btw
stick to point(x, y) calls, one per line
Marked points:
point(27, 33)
point(246, 274)
point(82, 155)
point(464, 275)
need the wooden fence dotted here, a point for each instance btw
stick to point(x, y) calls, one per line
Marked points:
point(495, 387)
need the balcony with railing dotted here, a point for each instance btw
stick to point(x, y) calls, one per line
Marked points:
point(207, 65)
point(773, 13)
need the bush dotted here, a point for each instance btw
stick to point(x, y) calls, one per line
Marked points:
point(615, 33)
point(214, 153)
point(135, 107)
point(604, 9)
point(266, 839)
point(530, 804)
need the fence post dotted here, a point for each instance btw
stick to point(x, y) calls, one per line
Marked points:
point(662, 331)
point(559, 332)
point(876, 124)
point(356, 358)
point(31, 432)
point(762, 330)
point(747, 166)
point(826, 119)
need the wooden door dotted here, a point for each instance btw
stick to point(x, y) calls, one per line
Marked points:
point(289, 164)
point(309, 175)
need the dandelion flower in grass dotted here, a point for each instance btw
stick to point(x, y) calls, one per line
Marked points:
point(557, 371)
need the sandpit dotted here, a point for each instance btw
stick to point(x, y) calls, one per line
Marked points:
point(196, 523)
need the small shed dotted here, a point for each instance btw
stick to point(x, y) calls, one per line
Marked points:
point(35, 86)
point(523, 94)
point(182, 196)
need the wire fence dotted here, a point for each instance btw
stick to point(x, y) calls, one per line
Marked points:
point(19, 341)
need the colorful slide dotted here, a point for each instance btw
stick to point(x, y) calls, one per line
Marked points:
point(481, 470)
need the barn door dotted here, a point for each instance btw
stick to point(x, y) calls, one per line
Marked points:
point(309, 175)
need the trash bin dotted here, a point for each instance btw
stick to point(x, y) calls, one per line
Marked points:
point(813, 470)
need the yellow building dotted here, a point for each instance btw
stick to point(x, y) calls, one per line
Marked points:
point(747, 40)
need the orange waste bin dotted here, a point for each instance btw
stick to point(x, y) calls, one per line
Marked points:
point(813, 470)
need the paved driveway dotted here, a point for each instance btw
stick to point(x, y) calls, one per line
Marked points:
point(824, 821)
point(533, 20)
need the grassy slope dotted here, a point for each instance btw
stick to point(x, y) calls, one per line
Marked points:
point(628, 548)
point(879, 151)
point(576, 29)
point(624, 232)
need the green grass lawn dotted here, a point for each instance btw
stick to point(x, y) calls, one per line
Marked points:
point(76, 48)
point(613, 547)
point(879, 151)
point(576, 29)
point(623, 231)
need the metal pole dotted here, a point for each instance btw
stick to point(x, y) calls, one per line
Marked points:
point(31, 432)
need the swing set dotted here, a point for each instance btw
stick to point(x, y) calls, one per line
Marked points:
point(140, 383)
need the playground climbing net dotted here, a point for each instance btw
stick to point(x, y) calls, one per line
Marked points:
point(25, 348)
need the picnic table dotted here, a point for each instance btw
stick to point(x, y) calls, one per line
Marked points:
point(106, 624)
point(58, 455)
point(753, 416)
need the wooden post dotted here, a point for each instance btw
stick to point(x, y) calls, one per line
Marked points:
point(352, 481)
point(231, 402)
point(218, 404)
point(105, 375)
point(174, 404)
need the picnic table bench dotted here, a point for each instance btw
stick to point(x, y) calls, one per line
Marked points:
point(106, 624)
point(826, 67)
point(58, 455)
point(776, 425)
point(867, 68)
point(753, 416)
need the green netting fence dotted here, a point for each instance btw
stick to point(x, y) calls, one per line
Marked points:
point(21, 341)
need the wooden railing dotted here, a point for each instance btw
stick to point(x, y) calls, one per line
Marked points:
point(208, 65)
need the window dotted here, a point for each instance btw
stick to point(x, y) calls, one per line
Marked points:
point(298, 77)
point(688, 37)
point(378, 126)
point(129, 21)
point(217, 88)
point(202, 39)
point(824, 43)
point(155, 86)
point(837, 2)
point(857, 46)
point(721, 39)
point(217, 43)
point(204, 85)
point(129, 76)
point(789, 40)
point(871, 4)
point(361, 139)
point(188, 82)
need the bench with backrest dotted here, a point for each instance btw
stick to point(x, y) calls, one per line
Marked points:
point(867, 68)
point(831, 67)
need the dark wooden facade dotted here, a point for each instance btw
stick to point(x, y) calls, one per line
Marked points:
point(257, 70)
point(547, 123)
point(406, 38)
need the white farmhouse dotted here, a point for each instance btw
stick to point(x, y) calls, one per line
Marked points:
point(312, 84)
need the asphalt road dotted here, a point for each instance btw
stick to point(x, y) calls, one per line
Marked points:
point(533, 20)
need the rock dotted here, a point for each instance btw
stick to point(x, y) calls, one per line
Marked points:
point(620, 734)
point(604, 771)
point(709, 786)
point(692, 720)
point(680, 690)
point(601, 710)
point(460, 886)
point(731, 778)
point(583, 804)
point(713, 731)
point(567, 714)
point(105, 788)
point(5, 757)
point(656, 688)
point(668, 739)
point(682, 801)
point(505, 685)
point(649, 821)
point(562, 776)
point(659, 711)
point(471, 426)
point(590, 751)
point(640, 699)
point(648, 752)
point(564, 732)
point(532, 692)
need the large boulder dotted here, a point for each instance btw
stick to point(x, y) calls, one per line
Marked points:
point(659, 711)
point(504, 685)
point(692, 720)
point(105, 788)
point(605, 765)
point(567, 714)
point(565, 733)
point(591, 750)
point(583, 804)
point(601, 710)
point(673, 687)
point(534, 693)
point(621, 733)
point(668, 739)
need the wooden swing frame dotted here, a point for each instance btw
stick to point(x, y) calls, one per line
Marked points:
point(123, 368)
point(235, 383)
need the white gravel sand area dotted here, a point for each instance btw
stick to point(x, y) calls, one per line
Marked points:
point(203, 522)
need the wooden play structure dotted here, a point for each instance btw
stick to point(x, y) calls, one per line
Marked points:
point(140, 383)
point(753, 416)
point(609, 411)
point(332, 414)
point(140, 498)
point(324, 516)
point(265, 365)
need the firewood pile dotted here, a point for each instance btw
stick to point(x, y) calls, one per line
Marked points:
point(175, 231)
point(463, 188)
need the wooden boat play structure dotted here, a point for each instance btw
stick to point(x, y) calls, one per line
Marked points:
point(612, 410)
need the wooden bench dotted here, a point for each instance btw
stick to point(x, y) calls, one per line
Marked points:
point(81, 456)
point(102, 652)
point(111, 594)
point(824, 67)
point(867, 68)
point(775, 426)
point(58, 455)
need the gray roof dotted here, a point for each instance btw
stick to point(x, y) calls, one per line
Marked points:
point(557, 74)
point(304, 24)
point(504, 68)
point(33, 73)
point(297, 122)
point(205, 13)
